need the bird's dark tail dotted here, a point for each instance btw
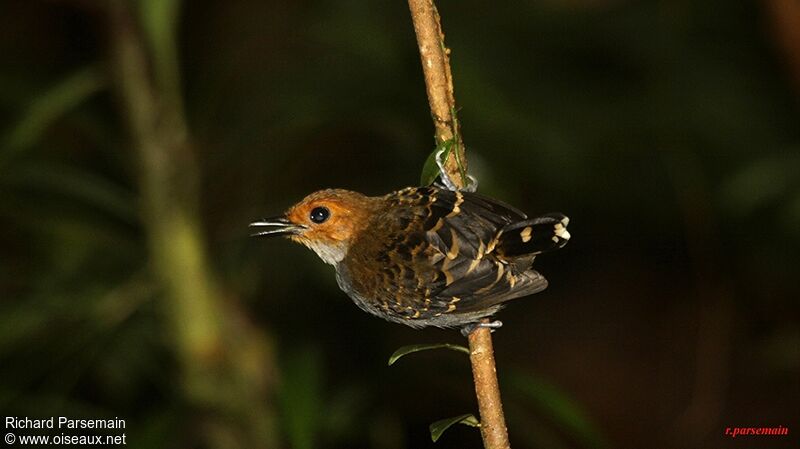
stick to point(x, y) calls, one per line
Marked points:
point(532, 237)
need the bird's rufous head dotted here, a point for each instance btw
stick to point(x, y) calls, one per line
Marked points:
point(326, 221)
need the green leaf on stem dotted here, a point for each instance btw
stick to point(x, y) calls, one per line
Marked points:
point(437, 428)
point(405, 350)
point(430, 170)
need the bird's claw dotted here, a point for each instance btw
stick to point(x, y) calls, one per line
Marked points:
point(470, 328)
point(472, 183)
point(448, 183)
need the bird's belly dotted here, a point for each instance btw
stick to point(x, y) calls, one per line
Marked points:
point(373, 300)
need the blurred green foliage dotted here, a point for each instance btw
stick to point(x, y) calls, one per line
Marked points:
point(667, 130)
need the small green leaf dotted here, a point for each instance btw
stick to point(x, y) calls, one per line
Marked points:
point(437, 428)
point(430, 170)
point(405, 350)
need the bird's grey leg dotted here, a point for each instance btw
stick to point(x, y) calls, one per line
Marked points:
point(469, 328)
point(472, 183)
point(448, 183)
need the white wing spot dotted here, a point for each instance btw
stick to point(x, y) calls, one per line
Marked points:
point(561, 230)
point(526, 234)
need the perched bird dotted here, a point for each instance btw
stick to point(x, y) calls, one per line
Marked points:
point(423, 256)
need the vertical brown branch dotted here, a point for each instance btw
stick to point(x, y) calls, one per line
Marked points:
point(439, 85)
point(493, 422)
point(438, 82)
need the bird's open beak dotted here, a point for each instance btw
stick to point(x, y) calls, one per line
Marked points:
point(275, 226)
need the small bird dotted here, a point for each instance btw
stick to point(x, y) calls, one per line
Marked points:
point(423, 256)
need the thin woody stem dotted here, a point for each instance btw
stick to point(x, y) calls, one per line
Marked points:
point(435, 58)
point(439, 85)
point(487, 390)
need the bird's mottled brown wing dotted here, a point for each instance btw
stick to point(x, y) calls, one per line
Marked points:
point(448, 218)
point(441, 258)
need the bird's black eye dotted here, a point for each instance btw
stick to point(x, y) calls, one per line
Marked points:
point(320, 214)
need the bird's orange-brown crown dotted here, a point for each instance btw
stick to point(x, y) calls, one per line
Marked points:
point(329, 220)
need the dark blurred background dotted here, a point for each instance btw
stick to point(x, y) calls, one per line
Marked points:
point(139, 138)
